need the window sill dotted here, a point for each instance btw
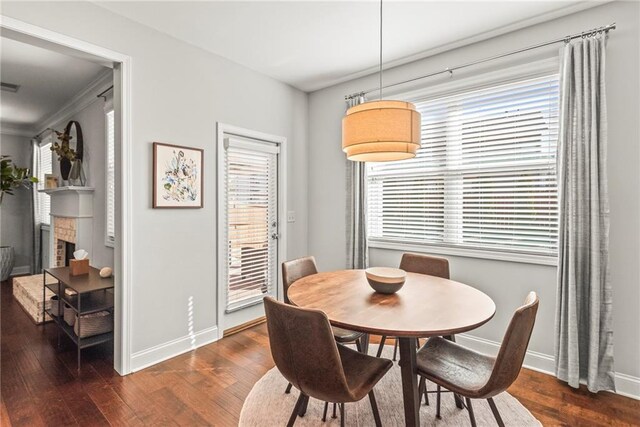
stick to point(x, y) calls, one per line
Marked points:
point(466, 252)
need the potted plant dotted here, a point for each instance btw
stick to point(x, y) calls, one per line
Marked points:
point(13, 177)
point(66, 154)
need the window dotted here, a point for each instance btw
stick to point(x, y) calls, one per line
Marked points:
point(110, 226)
point(484, 176)
point(44, 167)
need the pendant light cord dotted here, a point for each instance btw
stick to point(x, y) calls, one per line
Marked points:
point(380, 50)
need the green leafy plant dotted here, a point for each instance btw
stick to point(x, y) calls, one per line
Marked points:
point(62, 148)
point(13, 177)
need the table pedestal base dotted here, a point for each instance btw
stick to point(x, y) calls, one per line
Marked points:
point(409, 381)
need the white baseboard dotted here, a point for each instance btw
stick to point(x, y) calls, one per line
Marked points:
point(161, 352)
point(626, 385)
point(20, 270)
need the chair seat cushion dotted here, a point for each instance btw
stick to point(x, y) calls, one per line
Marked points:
point(345, 335)
point(362, 371)
point(454, 367)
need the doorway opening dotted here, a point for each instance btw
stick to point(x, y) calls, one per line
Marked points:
point(78, 95)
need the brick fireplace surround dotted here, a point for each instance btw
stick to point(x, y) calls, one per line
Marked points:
point(64, 231)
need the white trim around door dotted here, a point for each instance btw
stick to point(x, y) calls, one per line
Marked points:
point(230, 130)
point(123, 260)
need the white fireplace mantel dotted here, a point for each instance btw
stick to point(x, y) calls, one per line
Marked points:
point(72, 201)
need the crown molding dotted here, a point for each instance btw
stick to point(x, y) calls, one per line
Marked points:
point(79, 102)
point(13, 130)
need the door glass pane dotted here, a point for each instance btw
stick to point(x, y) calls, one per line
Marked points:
point(251, 224)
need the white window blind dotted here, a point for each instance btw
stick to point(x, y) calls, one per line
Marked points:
point(484, 176)
point(251, 191)
point(44, 167)
point(110, 180)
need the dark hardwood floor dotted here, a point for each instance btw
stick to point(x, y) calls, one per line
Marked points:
point(40, 385)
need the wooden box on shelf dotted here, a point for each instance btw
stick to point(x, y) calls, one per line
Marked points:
point(78, 267)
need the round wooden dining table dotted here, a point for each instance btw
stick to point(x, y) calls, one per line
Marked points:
point(426, 306)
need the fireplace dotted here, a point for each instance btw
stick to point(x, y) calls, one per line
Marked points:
point(69, 249)
point(71, 223)
point(64, 238)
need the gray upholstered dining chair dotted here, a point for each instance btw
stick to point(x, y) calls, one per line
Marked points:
point(305, 352)
point(302, 267)
point(473, 375)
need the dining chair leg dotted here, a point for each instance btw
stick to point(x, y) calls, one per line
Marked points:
point(334, 412)
point(438, 403)
point(303, 408)
point(342, 420)
point(381, 346)
point(288, 390)
point(458, 400)
point(324, 413)
point(358, 346)
point(496, 414)
point(374, 408)
point(422, 389)
point(395, 350)
point(472, 417)
point(296, 410)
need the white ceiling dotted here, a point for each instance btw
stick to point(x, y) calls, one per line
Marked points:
point(47, 80)
point(311, 45)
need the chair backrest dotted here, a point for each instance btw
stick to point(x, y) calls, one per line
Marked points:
point(425, 264)
point(305, 352)
point(514, 347)
point(296, 269)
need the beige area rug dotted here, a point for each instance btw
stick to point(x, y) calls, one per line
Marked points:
point(268, 405)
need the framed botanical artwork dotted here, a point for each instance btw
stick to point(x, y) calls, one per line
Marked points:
point(177, 176)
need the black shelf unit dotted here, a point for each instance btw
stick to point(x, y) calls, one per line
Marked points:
point(92, 294)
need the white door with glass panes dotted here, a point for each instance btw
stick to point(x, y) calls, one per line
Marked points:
point(249, 228)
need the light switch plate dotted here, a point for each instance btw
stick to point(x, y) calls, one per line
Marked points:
point(291, 216)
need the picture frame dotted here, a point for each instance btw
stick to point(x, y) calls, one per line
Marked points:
point(178, 177)
point(50, 181)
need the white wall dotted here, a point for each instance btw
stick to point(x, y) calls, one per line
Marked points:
point(179, 93)
point(508, 282)
point(15, 227)
point(92, 122)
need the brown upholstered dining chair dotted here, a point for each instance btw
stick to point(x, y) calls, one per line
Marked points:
point(474, 375)
point(422, 264)
point(305, 352)
point(302, 267)
point(432, 266)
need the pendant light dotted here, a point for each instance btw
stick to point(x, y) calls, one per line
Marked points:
point(383, 130)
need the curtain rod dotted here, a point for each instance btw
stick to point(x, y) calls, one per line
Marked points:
point(102, 94)
point(450, 70)
point(38, 135)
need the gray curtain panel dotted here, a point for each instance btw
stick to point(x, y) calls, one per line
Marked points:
point(584, 329)
point(357, 250)
point(36, 255)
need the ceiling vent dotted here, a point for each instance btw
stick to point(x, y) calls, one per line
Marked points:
point(9, 87)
